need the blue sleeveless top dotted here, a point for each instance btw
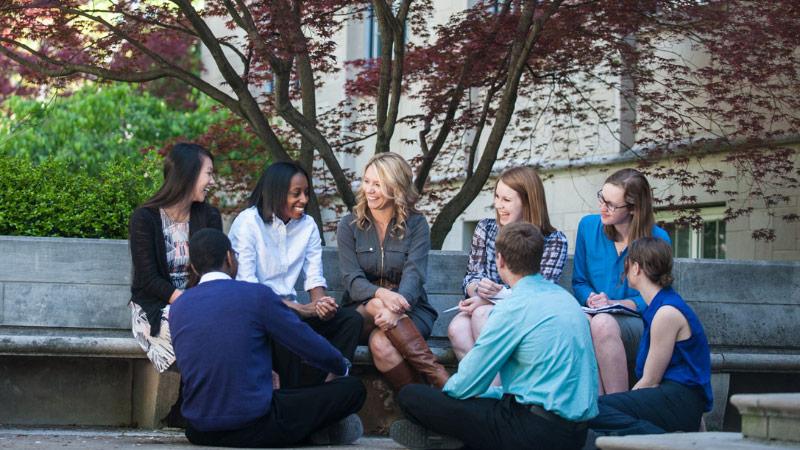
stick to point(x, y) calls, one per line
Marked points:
point(691, 359)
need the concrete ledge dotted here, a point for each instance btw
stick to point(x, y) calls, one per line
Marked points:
point(775, 403)
point(770, 416)
point(49, 345)
point(734, 361)
point(445, 355)
point(41, 342)
point(687, 441)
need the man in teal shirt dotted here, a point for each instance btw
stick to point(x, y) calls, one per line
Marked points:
point(538, 339)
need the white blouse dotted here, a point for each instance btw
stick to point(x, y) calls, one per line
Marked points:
point(274, 253)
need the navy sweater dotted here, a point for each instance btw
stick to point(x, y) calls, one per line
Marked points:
point(221, 331)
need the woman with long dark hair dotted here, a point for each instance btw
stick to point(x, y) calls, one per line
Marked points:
point(276, 241)
point(158, 236)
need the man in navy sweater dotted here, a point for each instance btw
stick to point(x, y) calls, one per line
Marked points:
point(221, 331)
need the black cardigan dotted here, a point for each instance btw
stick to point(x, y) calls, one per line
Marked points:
point(150, 283)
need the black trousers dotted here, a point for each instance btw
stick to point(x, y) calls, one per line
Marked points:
point(669, 407)
point(293, 416)
point(482, 423)
point(342, 331)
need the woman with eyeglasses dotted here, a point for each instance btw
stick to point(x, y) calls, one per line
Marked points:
point(626, 214)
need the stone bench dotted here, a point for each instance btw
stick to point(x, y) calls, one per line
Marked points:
point(67, 356)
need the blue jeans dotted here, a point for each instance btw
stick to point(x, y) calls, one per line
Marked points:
point(669, 407)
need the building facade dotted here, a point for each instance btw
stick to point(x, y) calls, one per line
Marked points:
point(572, 176)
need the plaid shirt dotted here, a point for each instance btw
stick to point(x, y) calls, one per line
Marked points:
point(483, 256)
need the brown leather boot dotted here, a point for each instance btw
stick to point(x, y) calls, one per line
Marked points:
point(406, 339)
point(401, 375)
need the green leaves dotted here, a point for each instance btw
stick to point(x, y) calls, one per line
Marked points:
point(55, 199)
point(98, 123)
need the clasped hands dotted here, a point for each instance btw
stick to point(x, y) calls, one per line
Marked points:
point(393, 307)
point(596, 300)
point(324, 308)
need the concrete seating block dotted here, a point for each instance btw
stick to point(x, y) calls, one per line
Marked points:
point(769, 416)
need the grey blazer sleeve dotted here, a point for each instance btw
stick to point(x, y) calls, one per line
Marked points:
point(353, 277)
point(412, 283)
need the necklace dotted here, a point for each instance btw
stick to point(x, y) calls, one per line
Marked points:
point(179, 217)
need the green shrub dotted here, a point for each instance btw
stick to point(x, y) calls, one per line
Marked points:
point(54, 199)
point(99, 123)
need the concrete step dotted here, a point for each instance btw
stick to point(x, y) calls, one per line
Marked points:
point(688, 441)
point(773, 417)
point(130, 439)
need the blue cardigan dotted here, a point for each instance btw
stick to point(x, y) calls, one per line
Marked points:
point(222, 331)
point(597, 267)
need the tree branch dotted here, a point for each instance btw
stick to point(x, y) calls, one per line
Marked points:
point(430, 154)
point(530, 29)
point(248, 105)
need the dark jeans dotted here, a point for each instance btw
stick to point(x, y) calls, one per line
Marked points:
point(293, 416)
point(482, 423)
point(669, 407)
point(342, 331)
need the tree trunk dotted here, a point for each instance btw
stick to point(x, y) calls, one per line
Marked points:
point(528, 32)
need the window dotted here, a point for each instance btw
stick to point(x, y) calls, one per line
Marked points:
point(373, 38)
point(373, 32)
point(707, 242)
point(494, 6)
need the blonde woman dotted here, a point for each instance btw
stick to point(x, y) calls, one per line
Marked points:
point(383, 257)
point(518, 197)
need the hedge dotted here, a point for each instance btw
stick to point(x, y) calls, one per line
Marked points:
point(54, 199)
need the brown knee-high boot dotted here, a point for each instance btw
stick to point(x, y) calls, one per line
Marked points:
point(406, 339)
point(401, 375)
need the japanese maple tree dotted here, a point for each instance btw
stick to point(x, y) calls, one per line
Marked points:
point(468, 76)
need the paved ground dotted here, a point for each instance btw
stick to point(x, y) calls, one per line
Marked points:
point(101, 439)
point(692, 441)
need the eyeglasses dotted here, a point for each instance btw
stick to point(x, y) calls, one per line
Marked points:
point(611, 208)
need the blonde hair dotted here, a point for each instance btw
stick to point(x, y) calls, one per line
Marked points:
point(395, 177)
point(525, 181)
point(639, 199)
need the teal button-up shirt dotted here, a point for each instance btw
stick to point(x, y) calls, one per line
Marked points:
point(539, 340)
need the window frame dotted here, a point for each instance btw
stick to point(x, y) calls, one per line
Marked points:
point(709, 214)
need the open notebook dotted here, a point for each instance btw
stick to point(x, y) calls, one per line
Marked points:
point(611, 309)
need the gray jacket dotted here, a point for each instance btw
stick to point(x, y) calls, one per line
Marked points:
point(402, 262)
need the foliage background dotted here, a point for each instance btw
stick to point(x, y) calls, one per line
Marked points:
point(99, 123)
point(76, 164)
point(52, 199)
